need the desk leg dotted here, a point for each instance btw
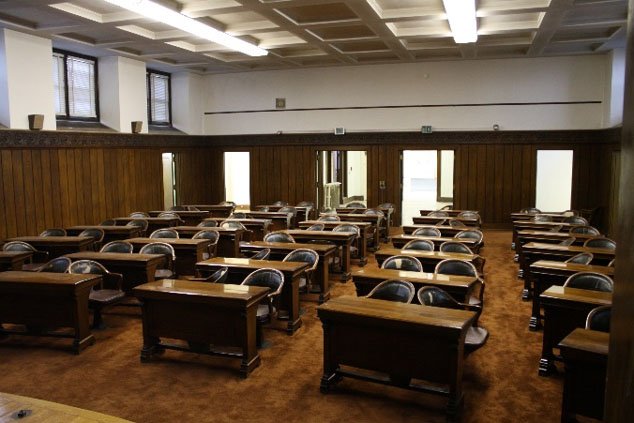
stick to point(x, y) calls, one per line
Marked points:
point(345, 262)
point(330, 377)
point(290, 293)
point(524, 264)
point(454, 405)
point(151, 344)
point(250, 356)
point(363, 251)
point(322, 275)
point(83, 336)
point(546, 365)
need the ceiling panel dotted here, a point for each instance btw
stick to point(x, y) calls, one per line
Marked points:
point(306, 33)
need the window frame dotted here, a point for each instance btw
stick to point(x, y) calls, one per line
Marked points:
point(152, 122)
point(67, 115)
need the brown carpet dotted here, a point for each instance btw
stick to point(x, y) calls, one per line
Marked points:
point(500, 380)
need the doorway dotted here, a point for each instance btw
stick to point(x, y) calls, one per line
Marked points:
point(237, 178)
point(427, 181)
point(341, 178)
point(169, 179)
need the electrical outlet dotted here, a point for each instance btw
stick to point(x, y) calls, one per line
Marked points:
point(382, 185)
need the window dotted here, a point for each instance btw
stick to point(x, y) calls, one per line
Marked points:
point(158, 98)
point(75, 81)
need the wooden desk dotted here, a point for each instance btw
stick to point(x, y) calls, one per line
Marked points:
point(445, 230)
point(533, 251)
point(386, 223)
point(556, 217)
point(279, 221)
point(429, 220)
point(44, 301)
point(228, 243)
point(110, 233)
point(450, 213)
point(240, 268)
point(365, 235)
point(207, 315)
point(399, 241)
point(57, 246)
point(343, 241)
point(303, 212)
point(546, 273)
point(189, 217)
point(525, 236)
point(565, 309)
point(355, 218)
point(529, 225)
point(153, 223)
point(585, 355)
point(135, 268)
point(401, 341)
point(216, 210)
point(13, 260)
point(279, 250)
point(38, 410)
point(460, 287)
point(257, 227)
point(430, 259)
point(188, 251)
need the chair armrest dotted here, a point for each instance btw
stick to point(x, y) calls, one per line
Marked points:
point(112, 281)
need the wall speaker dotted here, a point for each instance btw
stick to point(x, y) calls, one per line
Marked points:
point(36, 122)
point(137, 126)
point(340, 131)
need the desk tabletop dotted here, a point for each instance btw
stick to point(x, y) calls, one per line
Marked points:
point(171, 241)
point(206, 228)
point(356, 217)
point(330, 224)
point(322, 234)
point(400, 313)
point(283, 266)
point(565, 293)
point(54, 240)
point(529, 223)
point(416, 277)
point(566, 248)
point(170, 287)
point(586, 340)
point(288, 246)
point(550, 234)
point(194, 213)
point(46, 278)
point(431, 254)
point(48, 411)
point(409, 237)
point(106, 229)
point(572, 267)
point(149, 219)
point(14, 255)
point(120, 257)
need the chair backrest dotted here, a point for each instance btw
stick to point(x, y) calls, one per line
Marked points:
point(590, 280)
point(263, 254)
point(581, 258)
point(159, 248)
point(95, 233)
point(576, 220)
point(348, 228)
point(305, 204)
point(456, 267)
point(279, 203)
point(108, 222)
point(87, 266)
point(117, 247)
point(164, 233)
point(438, 213)
point(139, 215)
point(468, 214)
point(571, 213)
point(329, 218)
point(269, 278)
point(18, 246)
point(54, 232)
point(428, 231)
point(600, 242)
point(394, 290)
point(232, 224)
point(355, 205)
point(226, 203)
point(179, 208)
point(386, 206)
point(585, 229)
point(474, 234)
point(288, 209)
point(374, 212)
point(556, 228)
point(599, 319)
point(455, 247)
point(209, 234)
point(208, 224)
point(419, 244)
point(57, 265)
point(530, 210)
point(611, 263)
point(437, 297)
point(305, 255)
point(219, 276)
point(447, 207)
point(262, 208)
point(568, 241)
point(455, 223)
point(138, 223)
point(316, 227)
point(542, 218)
point(279, 236)
point(238, 215)
point(402, 262)
point(169, 215)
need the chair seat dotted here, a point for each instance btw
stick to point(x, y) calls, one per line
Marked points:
point(163, 274)
point(476, 337)
point(263, 313)
point(106, 296)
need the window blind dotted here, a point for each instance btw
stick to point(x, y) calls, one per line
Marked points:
point(59, 85)
point(159, 98)
point(81, 87)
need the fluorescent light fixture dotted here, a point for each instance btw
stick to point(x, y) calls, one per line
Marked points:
point(159, 13)
point(462, 20)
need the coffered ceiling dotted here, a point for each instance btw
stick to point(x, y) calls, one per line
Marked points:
point(308, 33)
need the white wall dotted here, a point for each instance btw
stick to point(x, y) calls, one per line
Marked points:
point(26, 79)
point(122, 93)
point(535, 80)
point(187, 102)
point(614, 88)
point(357, 174)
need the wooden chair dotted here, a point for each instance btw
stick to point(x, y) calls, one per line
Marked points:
point(394, 290)
point(211, 235)
point(420, 245)
point(402, 262)
point(167, 271)
point(117, 247)
point(54, 232)
point(590, 280)
point(164, 233)
point(600, 242)
point(581, 258)
point(599, 319)
point(274, 280)
point(279, 236)
point(307, 256)
point(428, 231)
point(57, 265)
